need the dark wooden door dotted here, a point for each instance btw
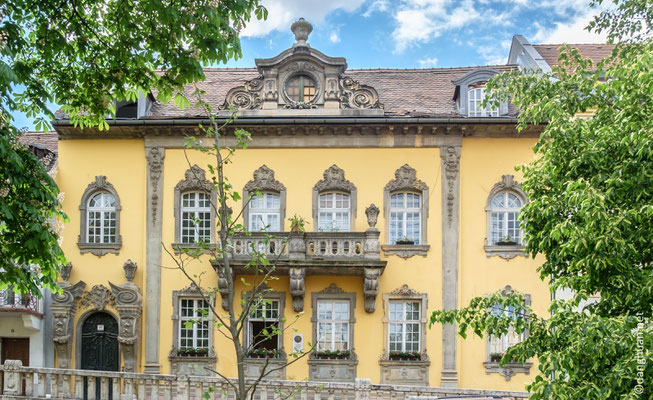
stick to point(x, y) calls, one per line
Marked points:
point(100, 343)
point(15, 349)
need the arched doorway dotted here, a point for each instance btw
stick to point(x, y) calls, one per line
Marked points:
point(100, 343)
point(99, 351)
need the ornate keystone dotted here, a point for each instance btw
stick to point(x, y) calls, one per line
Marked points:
point(301, 29)
point(65, 271)
point(130, 270)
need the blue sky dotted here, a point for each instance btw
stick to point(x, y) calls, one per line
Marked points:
point(413, 33)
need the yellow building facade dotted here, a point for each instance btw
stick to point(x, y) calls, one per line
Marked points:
point(408, 187)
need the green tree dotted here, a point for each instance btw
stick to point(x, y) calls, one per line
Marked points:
point(84, 55)
point(590, 215)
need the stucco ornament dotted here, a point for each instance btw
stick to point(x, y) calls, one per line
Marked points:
point(98, 297)
point(246, 97)
point(129, 306)
point(332, 289)
point(264, 180)
point(155, 163)
point(195, 179)
point(223, 288)
point(405, 179)
point(452, 166)
point(356, 95)
point(65, 271)
point(405, 291)
point(301, 29)
point(334, 179)
point(371, 288)
point(63, 309)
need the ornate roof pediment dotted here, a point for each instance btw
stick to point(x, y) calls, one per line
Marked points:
point(277, 89)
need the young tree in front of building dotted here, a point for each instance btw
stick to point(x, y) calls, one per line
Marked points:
point(590, 214)
point(87, 56)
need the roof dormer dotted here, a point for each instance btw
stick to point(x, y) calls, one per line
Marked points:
point(300, 79)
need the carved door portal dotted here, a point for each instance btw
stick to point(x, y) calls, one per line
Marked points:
point(100, 349)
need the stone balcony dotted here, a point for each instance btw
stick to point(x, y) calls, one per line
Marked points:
point(298, 254)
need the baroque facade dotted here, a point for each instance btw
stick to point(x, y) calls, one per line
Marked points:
point(411, 198)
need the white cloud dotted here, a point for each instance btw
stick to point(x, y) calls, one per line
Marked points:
point(571, 32)
point(428, 62)
point(377, 5)
point(282, 13)
point(334, 37)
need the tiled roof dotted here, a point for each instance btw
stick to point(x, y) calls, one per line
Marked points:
point(596, 52)
point(43, 140)
point(403, 92)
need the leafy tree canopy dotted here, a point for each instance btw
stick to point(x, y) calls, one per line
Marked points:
point(590, 215)
point(84, 54)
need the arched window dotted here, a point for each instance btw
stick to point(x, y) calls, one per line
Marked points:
point(195, 202)
point(334, 202)
point(504, 235)
point(99, 231)
point(475, 96)
point(267, 210)
point(101, 217)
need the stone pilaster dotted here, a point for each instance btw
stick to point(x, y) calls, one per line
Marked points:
point(154, 157)
point(129, 305)
point(450, 156)
point(63, 309)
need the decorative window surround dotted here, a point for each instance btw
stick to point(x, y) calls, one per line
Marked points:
point(190, 365)
point(194, 181)
point(334, 181)
point(405, 372)
point(510, 369)
point(99, 249)
point(333, 370)
point(254, 366)
point(406, 181)
point(463, 85)
point(264, 181)
point(507, 252)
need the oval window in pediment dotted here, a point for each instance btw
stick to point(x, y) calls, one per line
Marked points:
point(301, 88)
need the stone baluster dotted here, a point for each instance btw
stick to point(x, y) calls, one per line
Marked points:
point(141, 388)
point(128, 389)
point(79, 387)
point(40, 385)
point(90, 387)
point(115, 382)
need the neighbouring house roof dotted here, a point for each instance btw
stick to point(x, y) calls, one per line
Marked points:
point(595, 52)
point(403, 92)
point(44, 145)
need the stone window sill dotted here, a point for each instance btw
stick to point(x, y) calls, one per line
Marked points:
point(505, 252)
point(405, 362)
point(508, 370)
point(100, 249)
point(405, 250)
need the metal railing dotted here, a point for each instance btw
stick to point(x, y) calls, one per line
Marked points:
point(19, 302)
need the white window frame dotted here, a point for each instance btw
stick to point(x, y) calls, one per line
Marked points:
point(504, 214)
point(333, 210)
point(403, 323)
point(104, 239)
point(404, 211)
point(475, 96)
point(263, 306)
point(198, 319)
point(507, 252)
point(333, 321)
point(195, 210)
point(263, 213)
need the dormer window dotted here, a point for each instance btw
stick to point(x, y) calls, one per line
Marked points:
point(301, 88)
point(475, 96)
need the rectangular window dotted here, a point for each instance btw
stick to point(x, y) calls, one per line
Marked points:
point(405, 217)
point(263, 321)
point(333, 325)
point(264, 213)
point(195, 218)
point(499, 345)
point(404, 326)
point(194, 324)
point(474, 97)
point(333, 212)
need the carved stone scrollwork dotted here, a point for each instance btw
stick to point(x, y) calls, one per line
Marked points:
point(98, 297)
point(246, 97)
point(297, 288)
point(264, 180)
point(334, 179)
point(371, 288)
point(195, 179)
point(63, 309)
point(130, 300)
point(155, 163)
point(452, 166)
point(405, 179)
point(405, 291)
point(355, 95)
point(332, 289)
